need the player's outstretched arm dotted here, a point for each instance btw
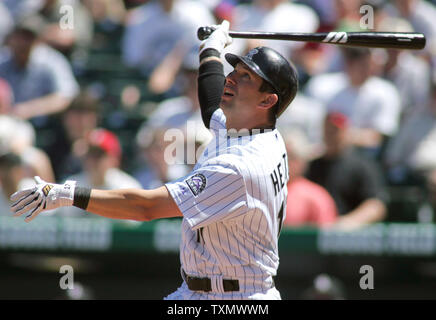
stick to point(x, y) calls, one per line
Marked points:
point(131, 204)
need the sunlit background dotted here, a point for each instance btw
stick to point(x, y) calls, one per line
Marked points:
point(90, 88)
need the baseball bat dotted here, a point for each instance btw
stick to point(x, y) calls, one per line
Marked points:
point(394, 40)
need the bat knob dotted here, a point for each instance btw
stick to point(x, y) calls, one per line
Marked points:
point(204, 32)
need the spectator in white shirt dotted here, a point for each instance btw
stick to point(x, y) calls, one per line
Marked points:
point(411, 153)
point(307, 115)
point(273, 15)
point(408, 72)
point(41, 78)
point(371, 103)
point(17, 136)
point(6, 22)
point(162, 28)
point(101, 163)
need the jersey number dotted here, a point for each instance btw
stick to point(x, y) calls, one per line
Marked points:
point(280, 219)
point(280, 224)
point(200, 235)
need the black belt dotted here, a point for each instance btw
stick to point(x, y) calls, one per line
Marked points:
point(204, 284)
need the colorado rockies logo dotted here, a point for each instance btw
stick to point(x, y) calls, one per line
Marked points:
point(47, 189)
point(251, 53)
point(336, 37)
point(196, 183)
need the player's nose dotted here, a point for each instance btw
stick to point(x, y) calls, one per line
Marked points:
point(230, 79)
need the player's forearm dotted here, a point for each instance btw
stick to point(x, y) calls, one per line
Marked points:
point(133, 204)
point(210, 84)
point(48, 104)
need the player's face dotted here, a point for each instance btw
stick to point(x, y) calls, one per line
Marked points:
point(241, 90)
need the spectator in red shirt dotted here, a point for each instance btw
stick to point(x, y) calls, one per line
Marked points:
point(308, 203)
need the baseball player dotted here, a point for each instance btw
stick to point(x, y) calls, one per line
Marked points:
point(233, 202)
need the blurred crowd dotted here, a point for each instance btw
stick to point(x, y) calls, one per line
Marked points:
point(92, 90)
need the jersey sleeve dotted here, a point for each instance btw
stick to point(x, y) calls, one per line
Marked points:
point(212, 193)
point(218, 121)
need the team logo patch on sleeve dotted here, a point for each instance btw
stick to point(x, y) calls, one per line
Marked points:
point(47, 189)
point(196, 183)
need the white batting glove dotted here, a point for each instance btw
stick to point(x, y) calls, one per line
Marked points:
point(42, 197)
point(219, 39)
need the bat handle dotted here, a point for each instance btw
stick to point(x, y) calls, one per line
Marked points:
point(204, 32)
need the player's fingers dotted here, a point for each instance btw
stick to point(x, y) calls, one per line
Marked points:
point(27, 206)
point(19, 195)
point(225, 25)
point(34, 213)
point(23, 201)
point(38, 180)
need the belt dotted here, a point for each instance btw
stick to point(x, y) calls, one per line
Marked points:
point(204, 284)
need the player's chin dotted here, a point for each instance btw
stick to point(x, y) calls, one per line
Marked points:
point(226, 101)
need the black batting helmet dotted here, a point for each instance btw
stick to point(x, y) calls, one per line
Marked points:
point(272, 67)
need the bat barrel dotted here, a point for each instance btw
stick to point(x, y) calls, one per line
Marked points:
point(395, 40)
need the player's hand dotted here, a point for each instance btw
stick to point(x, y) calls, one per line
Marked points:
point(44, 196)
point(219, 39)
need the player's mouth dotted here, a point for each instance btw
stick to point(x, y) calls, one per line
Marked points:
point(228, 92)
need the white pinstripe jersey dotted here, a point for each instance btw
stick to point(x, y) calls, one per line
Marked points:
point(233, 205)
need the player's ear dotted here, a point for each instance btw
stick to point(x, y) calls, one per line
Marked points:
point(269, 101)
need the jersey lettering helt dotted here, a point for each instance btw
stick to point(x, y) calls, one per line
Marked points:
point(233, 205)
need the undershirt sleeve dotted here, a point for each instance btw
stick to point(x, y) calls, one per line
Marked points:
point(211, 81)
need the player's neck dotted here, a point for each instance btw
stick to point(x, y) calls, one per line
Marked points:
point(250, 123)
point(250, 128)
